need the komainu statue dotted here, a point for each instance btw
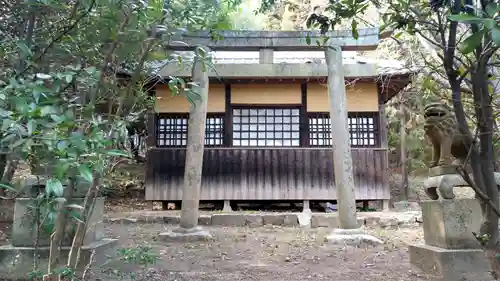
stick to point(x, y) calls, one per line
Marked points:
point(441, 128)
point(450, 148)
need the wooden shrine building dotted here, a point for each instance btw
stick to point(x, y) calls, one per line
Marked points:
point(267, 128)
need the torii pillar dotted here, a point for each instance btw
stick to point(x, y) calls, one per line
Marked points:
point(349, 231)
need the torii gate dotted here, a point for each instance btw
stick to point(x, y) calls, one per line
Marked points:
point(266, 42)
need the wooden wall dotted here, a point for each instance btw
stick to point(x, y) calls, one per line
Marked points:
point(165, 102)
point(361, 97)
point(266, 174)
point(286, 93)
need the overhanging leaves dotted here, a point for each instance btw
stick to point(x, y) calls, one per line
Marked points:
point(470, 43)
point(495, 35)
point(466, 18)
point(85, 172)
point(54, 187)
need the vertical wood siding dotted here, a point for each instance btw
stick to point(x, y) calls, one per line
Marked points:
point(266, 174)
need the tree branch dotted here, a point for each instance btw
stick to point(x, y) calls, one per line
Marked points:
point(108, 57)
point(59, 37)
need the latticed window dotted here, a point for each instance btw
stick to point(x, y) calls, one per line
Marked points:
point(172, 130)
point(319, 130)
point(363, 129)
point(266, 126)
point(214, 131)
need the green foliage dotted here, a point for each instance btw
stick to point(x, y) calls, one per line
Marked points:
point(55, 107)
point(67, 273)
point(74, 77)
point(417, 16)
point(35, 274)
point(141, 255)
point(337, 10)
point(487, 23)
point(244, 17)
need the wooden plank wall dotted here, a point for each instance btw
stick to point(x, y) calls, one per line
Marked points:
point(266, 174)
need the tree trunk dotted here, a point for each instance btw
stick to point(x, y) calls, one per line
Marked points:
point(404, 170)
point(342, 158)
point(495, 84)
point(486, 124)
point(3, 164)
point(195, 147)
point(9, 171)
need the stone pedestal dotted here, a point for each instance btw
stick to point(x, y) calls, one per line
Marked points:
point(451, 252)
point(17, 262)
point(34, 185)
point(443, 179)
point(17, 259)
point(24, 227)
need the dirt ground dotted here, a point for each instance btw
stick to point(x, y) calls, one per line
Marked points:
point(264, 254)
point(258, 254)
point(269, 253)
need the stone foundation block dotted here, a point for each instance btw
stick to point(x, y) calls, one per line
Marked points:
point(274, 219)
point(254, 220)
point(171, 219)
point(228, 219)
point(291, 220)
point(152, 219)
point(17, 262)
point(204, 220)
point(450, 264)
point(146, 218)
point(449, 224)
point(372, 221)
point(324, 220)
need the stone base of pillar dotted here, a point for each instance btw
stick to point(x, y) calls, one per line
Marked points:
point(185, 235)
point(227, 206)
point(306, 208)
point(352, 237)
point(450, 264)
point(17, 262)
point(306, 215)
point(386, 205)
